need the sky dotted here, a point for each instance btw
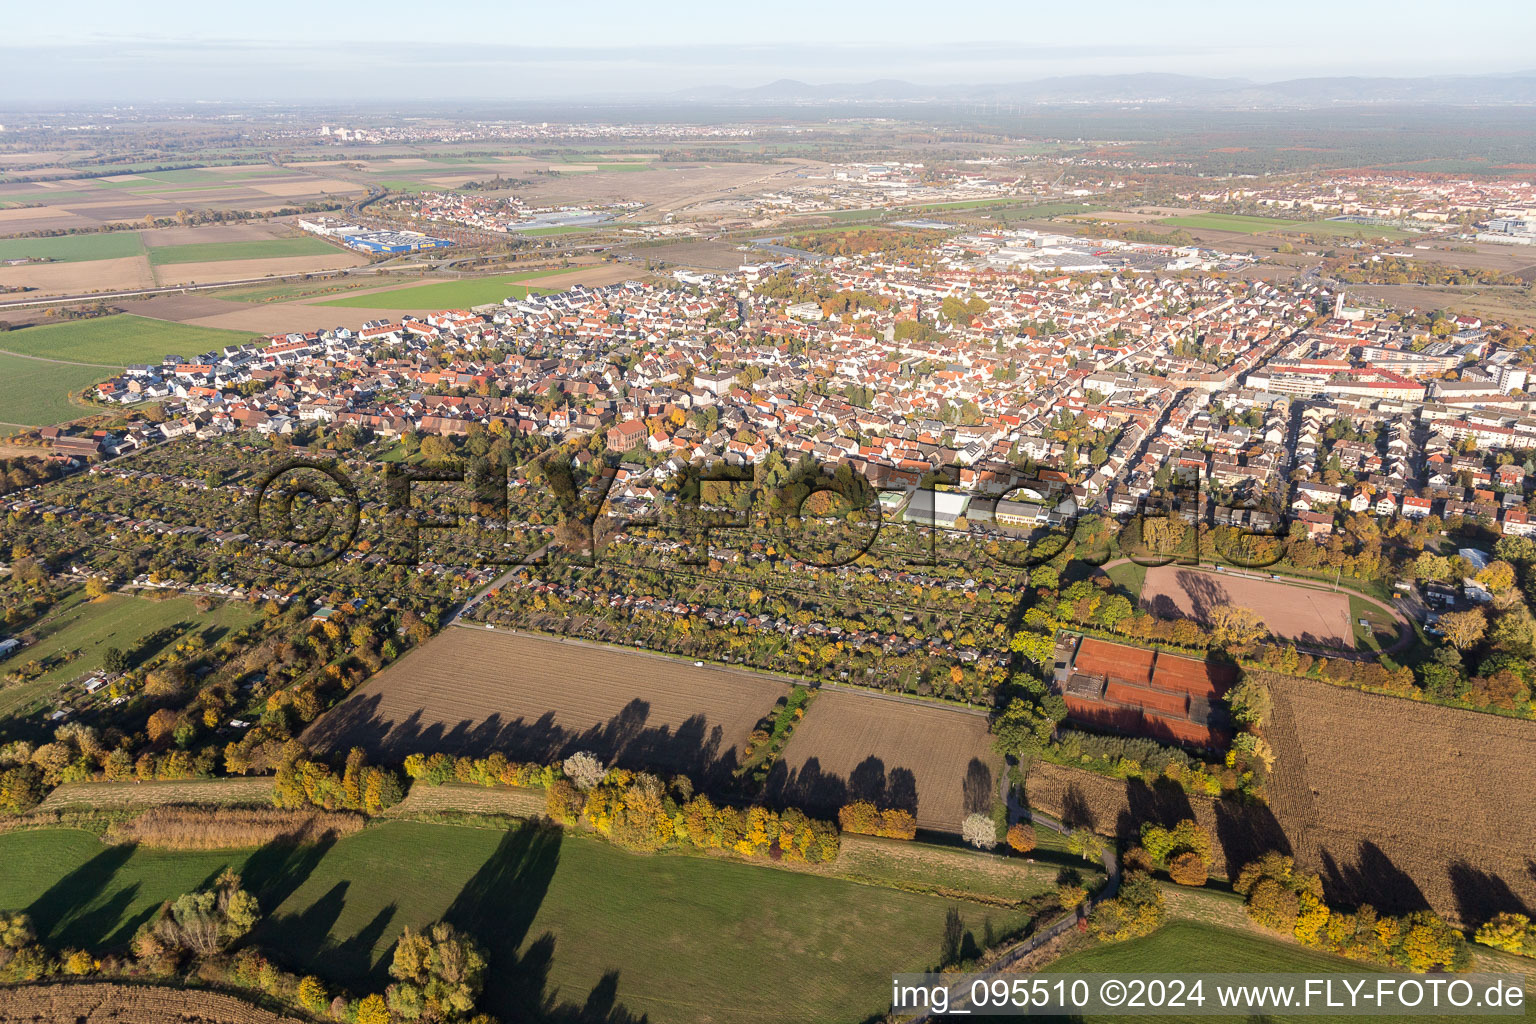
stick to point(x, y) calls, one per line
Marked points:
point(395, 50)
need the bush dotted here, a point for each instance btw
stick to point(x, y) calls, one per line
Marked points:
point(1136, 911)
point(1188, 868)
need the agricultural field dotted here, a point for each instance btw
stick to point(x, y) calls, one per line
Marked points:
point(116, 341)
point(1289, 610)
point(1424, 807)
point(35, 392)
point(480, 290)
point(99, 1001)
point(87, 203)
point(474, 691)
point(556, 912)
point(109, 245)
point(204, 792)
point(934, 761)
point(72, 640)
point(1244, 225)
point(221, 252)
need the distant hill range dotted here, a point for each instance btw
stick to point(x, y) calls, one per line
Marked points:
point(1516, 89)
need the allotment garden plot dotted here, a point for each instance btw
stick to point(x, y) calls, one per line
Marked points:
point(474, 691)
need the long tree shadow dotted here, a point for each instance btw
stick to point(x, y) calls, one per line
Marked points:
point(1480, 895)
point(601, 1005)
point(275, 871)
point(304, 938)
point(59, 912)
point(1373, 878)
point(497, 906)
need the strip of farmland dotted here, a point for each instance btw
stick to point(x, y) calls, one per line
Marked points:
point(471, 691)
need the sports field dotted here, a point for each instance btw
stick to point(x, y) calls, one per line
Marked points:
point(109, 245)
point(223, 252)
point(82, 630)
point(35, 393)
point(716, 940)
point(1290, 611)
point(447, 294)
point(116, 341)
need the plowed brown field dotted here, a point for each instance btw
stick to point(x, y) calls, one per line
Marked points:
point(1402, 804)
point(473, 691)
point(936, 762)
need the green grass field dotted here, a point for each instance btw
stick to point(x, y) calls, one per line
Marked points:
point(1186, 947)
point(116, 341)
point(34, 393)
point(675, 938)
point(447, 294)
point(221, 252)
point(1258, 225)
point(1129, 575)
point(87, 628)
point(108, 245)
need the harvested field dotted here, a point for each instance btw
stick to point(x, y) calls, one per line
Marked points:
point(245, 270)
point(125, 274)
point(104, 1003)
point(180, 308)
point(231, 828)
point(1290, 611)
point(254, 791)
point(1405, 805)
point(702, 255)
point(457, 796)
point(1117, 807)
point(472, 691)
point(934, 761)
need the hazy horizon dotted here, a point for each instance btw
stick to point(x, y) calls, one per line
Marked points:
point(292, 52)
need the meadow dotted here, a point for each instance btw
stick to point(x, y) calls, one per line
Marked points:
point(674, 938)
point(447, 294)
point(34, 393)
point(222, 252)
point(117, 341)
point(1185, 947)
point(109, 245)
point(1245, 225)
